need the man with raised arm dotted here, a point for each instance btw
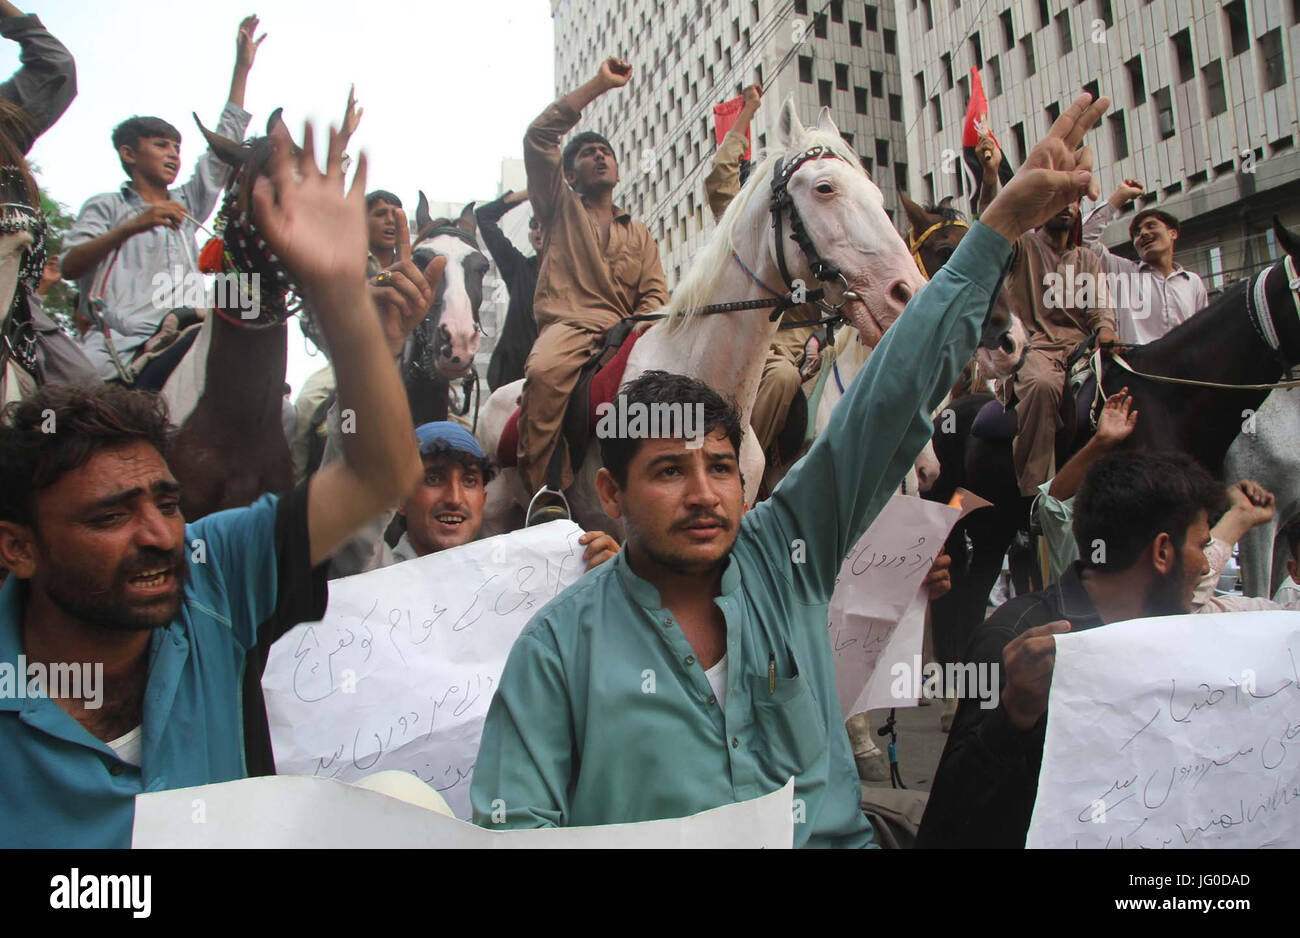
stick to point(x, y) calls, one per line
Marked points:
point(159, 619)
point(519, 273)
point(693, 669)
point(599, 266)
point(122, 240)
point(1157, 294)
point(47, 81)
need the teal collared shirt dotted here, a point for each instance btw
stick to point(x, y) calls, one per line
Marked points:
point(603, 714)
point(62, 787)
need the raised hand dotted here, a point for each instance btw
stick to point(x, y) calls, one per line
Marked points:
point(990, 154)
point(245, 46)
point(614, 72)
point(753, 95)
point(351, 115)
point(1057, 173)
point(308, 221)
point(403, 293)
point(1117, 420)
point(1126, 192)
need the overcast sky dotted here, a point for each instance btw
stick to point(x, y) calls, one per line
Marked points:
point(448, 87)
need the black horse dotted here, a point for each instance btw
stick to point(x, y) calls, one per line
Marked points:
point(1230, 342)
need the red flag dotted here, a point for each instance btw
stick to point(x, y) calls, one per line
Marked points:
point(977, 112)
point(724, 118)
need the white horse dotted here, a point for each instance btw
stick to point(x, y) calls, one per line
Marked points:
point(1270, 455)
point(844, 217)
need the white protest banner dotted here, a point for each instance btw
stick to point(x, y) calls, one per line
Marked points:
point(877, 613)
point(287, 811)
point(399, 673)
point(1178, 731)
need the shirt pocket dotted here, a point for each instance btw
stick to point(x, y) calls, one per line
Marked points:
point(788, 724)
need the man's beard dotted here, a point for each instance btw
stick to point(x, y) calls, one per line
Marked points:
point(675, 562)
point(107, 607)
point(1165, 595)
point(1059, 223)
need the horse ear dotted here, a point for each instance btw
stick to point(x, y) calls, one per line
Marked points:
point(1290, 243)
point(467, 222)
point(230, 152)
point(422, 219)
point(915, 214)
point(276, 120)
point(826, 123)
point(788, 126)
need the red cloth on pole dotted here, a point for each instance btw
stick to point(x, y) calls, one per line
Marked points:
point(724, 118)
point(977, 112)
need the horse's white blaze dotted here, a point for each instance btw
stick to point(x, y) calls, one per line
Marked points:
point(457, 316)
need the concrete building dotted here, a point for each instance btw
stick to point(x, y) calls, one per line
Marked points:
point(689, 55)
point(1204, 105)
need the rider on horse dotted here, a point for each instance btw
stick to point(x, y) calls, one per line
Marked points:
point(600, 266)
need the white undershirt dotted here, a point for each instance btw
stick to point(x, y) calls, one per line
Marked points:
point(128, 746)
point(717, 676)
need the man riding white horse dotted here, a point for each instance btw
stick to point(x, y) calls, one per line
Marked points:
point(600, 266)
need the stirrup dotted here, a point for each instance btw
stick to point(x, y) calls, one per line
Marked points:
point(548, 512)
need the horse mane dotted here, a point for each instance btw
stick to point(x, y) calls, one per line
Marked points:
point(696, 289)
point(944, 210)
point(15, 125)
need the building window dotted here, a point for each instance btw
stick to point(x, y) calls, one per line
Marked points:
point(869, 12)
point(1238, 32)
point(848, 138)
point(920, 87)
point(995, 76)
point(1105, 13)
point(1008, 33)
point(860, 100)
point(1053, 111)
point(841, 77)
point(1215, 96)
point(976, 50)
point(1018, 135)
point(837, 11)
point(801, 7)
point(866, 163)
point(1044, 17)
point(928, 179)
point(891, 43)
point(1063, 32)
point(855, 33)
point(946, 59)
point(805, 69)
point(963, 91)
point(895, 107)
point(1118, 135)
point(824, 92)
point(1027, 47)
point(877, 84)
point(1092, 89)
point(1270, 44)
point(900, 176)
point(819, 26)
point(1164, 113)
point(929, 14)
point(882, 152)
point(1182, 41)
point(1136, 83)
point(938, 114)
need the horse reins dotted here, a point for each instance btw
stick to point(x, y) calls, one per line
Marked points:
point(1261, 318)
point(18, 338)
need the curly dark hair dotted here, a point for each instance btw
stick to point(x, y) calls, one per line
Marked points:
point(60, 427)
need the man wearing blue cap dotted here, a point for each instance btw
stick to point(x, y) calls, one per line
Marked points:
point(445, 509)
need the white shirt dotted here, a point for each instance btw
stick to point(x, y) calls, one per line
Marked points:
point(1155, 304)
point(128, 746)
point(717, 676)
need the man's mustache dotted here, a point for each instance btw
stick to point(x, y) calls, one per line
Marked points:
point(147, 559)
point(703, 516)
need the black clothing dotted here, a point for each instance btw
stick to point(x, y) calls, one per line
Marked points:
point(987, 780)
point(520, 275)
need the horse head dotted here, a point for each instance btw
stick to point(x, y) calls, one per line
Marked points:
point(936, 231)
point(242, 247)
point(447, 339)
point(838, 218)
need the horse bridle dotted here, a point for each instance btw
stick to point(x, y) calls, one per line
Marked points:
point(914, 244)
point(18, 339)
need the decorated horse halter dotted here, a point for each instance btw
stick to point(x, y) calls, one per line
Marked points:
point(18, 340)
point(236, 248)
point(914, 244)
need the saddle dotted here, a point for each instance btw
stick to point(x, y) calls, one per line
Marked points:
point(598, 383)
point(998, 424)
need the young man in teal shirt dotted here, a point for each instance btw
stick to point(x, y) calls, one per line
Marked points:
point(694, 669)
